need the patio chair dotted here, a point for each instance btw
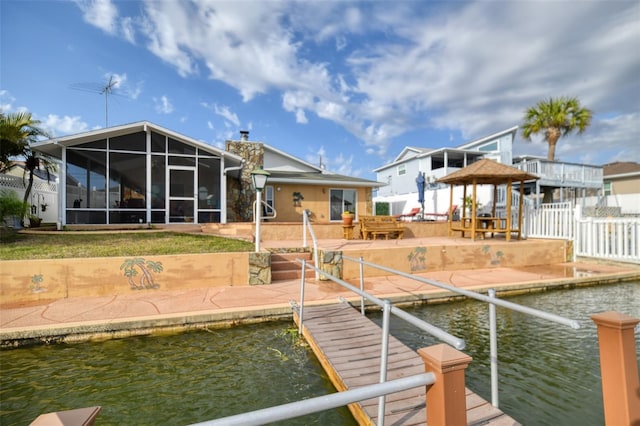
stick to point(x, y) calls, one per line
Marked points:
point(412, 214)
point(441, 216)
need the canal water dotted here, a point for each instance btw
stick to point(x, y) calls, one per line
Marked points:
point(549, 374)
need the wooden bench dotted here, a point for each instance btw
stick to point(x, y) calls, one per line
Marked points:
point(373, 226)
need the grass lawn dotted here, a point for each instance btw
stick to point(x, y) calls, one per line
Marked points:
point(69, 244)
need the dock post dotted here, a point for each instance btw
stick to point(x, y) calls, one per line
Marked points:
point(619, 368)
point(446, 398)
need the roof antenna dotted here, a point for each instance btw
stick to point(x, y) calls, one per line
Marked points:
point(105, 90)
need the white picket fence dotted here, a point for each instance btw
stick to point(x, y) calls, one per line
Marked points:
point(612, 238)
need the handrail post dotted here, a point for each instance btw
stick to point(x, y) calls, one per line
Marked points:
point(446, 398)
point(305, 220)
point(384, 356)
point(361, 285)
point(493, 344)
point(302, 282)
point(618, 367)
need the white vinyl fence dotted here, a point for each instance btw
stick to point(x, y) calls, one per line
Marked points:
point(43, 200)
point(555, 220)
point(612, 238)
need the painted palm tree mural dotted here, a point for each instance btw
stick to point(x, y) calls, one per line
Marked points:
point(495, 257)
point(138, 267)
point(418, 259)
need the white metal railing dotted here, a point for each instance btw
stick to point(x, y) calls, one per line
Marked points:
point(608, 238)
point(387, 310)
point(306, 226)
point(321, 403)
point(492, 301)
point(550, 221)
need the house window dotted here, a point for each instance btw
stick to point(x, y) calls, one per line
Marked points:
point(341, 200)
point(492, 146)
point(606, 188)
point(402, 169)
point(268, 198)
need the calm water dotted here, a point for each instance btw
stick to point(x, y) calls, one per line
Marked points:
point(549, 374)
point(166, 380)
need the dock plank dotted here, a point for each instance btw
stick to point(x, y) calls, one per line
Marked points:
point(348, 346)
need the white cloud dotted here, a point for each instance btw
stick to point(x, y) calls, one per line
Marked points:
point(225, 112)
point(100, 13)
point(66, 125)
point(462, 67)
point(163, 105)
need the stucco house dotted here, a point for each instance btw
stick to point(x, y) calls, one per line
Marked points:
point(144, 173)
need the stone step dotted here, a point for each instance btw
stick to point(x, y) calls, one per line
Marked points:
point(284, 266)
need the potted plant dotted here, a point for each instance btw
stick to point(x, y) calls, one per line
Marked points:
point(34, 221)
point(468, 205)
point(347, 218)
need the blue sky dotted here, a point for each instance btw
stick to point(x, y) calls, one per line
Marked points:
point(349, 82)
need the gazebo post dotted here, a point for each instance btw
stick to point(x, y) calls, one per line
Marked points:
point(474, 219)
point(509, 186)
point(520, 212)
point(450, 211)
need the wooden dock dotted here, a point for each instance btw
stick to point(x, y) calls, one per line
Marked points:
point(348, 346)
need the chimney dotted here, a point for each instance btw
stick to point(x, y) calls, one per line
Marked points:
point(244, 135)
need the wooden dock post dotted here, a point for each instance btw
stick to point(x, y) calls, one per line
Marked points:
point(446, 400)
point(619, 368)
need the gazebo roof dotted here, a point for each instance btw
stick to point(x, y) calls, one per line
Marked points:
point(487, 171)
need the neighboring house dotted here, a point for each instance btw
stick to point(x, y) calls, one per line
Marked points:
point(401, 174)
point(295, 185)
point(144, 173)
point(43, 200)
point(621, 188)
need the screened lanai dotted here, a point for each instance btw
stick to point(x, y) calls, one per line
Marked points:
point(140, 173)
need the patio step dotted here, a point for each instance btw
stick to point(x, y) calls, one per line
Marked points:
point(285, 267)
point(235, 230)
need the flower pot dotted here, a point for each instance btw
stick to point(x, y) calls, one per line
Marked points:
point(347, 219)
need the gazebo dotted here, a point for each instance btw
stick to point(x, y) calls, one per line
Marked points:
point(487, 172)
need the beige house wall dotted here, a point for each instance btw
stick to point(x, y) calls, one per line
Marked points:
point(315, 199)
point(628, 185)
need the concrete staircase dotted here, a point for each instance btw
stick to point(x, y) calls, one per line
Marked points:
point(284, 266)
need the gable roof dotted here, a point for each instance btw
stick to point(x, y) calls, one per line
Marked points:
point(53, 146)
point(486, 171)
point(496, 135)
point(620, 168)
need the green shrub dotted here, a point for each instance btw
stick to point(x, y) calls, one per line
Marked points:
point(10, 206)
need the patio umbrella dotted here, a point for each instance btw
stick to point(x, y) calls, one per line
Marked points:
point(420, 183)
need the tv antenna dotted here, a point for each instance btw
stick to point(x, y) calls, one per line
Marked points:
point(102, 89)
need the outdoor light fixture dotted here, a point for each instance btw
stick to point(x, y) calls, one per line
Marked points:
point(259, 177)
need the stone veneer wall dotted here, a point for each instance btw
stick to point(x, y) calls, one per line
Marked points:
point(240, 197)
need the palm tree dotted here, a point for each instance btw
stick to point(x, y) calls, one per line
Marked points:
point(18, 131)
point(556, 118)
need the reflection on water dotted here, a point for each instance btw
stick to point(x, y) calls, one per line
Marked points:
point(549, 373)
point(176, 379)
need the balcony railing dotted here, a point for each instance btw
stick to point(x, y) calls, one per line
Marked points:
point(554, 173)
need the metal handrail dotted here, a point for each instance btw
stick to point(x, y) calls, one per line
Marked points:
point(423, 325)
point(388, 309)
point(306, 225)
point(322, 403)
point(492, 301)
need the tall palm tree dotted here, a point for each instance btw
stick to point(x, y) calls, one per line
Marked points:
point(18, 131)
point(556, 118)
